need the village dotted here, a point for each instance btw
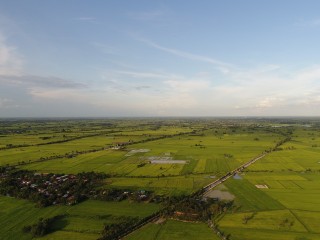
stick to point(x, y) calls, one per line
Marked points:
point(48, 189)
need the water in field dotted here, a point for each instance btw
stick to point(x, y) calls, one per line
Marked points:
point(237, 176)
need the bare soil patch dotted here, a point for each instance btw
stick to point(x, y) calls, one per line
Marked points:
point(134, 151)
point(165, 160)
point(221, 195)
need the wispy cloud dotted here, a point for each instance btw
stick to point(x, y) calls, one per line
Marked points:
point(309, 23)
point(187, 55)
point(40, 81)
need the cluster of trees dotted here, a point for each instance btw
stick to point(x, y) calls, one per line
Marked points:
point(194, 208)
point(4, 170)
point(190, 208)
point(49, 189)
point(42, 227)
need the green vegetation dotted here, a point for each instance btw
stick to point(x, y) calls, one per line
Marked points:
point(174, 230)
point(87, 217)
point(292, 177)
point(161, 164)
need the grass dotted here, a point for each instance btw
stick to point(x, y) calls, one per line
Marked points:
point(291, 174)
point(310, 219)
point(86, 218)
point(268, 220)
point(298, 199)
point(124, 208)
point(174, 230)
point(251, 198)
point(261, 234)
point(33, 153)
point(210, 153)
point(164, 185)
point(72, 235)
point(15, 214)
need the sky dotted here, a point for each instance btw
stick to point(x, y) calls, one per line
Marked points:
point(124, 58)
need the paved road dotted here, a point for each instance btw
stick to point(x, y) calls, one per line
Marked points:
point(230, 174)
point(239, 169)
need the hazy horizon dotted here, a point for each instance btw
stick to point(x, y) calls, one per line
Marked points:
point(107, 59)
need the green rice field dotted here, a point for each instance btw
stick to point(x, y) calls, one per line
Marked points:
point(277, 197)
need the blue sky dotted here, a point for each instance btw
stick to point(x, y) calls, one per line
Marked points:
point(159, 58)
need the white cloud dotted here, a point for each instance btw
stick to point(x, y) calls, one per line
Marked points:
point(263, 90)
point(269, 102)
point(10, 61)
